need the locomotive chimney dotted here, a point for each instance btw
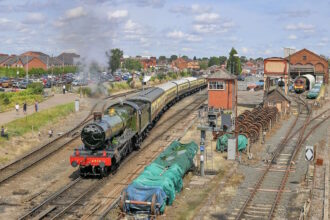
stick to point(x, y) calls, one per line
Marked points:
point(97, 116)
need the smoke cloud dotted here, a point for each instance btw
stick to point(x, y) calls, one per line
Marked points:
point(86, 31)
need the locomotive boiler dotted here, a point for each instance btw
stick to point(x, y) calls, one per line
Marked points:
point(98, 134)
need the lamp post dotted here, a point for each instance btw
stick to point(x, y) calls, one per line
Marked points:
point(236, 129)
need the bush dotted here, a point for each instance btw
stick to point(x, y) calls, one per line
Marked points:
point(36, 88)
point(9, 99)
point(85, 91)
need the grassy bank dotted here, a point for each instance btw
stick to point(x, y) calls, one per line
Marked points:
point(36, 121)
point(118, 86)
point(8, 100)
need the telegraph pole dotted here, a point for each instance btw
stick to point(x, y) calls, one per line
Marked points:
point(27, 67)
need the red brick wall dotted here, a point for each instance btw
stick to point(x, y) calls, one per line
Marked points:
point(320, 64)
point(222, 98)
point(36, 63)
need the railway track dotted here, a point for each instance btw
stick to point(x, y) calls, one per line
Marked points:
point(263, 198)
point(34, 157)
point(59, 205)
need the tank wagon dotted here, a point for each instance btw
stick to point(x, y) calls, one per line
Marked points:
point(303, 83)
point(124, 125)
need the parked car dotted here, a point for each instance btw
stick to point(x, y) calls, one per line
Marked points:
point(240, 78)
point(24, 83)
point(79, 83)
point(15, 84)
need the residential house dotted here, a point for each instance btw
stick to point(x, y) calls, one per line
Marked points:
point(193, 65)
point(180, 64)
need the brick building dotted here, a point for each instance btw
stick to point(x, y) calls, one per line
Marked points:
point(193, 65)
point(302, 61)
point(148, 62)
point(180, 64)
point(221, 90)
point(276, 98)
point(34, 59)
point(68, 59)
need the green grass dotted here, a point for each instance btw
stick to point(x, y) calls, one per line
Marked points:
point(36, 121)
point(118, 86)
point(9, 99)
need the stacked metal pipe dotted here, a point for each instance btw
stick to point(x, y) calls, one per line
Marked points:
point(253, 123)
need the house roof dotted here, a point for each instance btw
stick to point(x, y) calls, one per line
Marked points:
point(50, 61)
point(276, 95)
point(67, 58)
point(35, 53)
point(3, 57)
point(221, 74)
point(308, 51)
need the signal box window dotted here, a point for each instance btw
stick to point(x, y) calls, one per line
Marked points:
point(217, 85)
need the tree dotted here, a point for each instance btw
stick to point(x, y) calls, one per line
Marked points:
point(173, 57)
point(195, 58)
point(162, 58)
point(203, 64)
point(260, 59)
point(185, 57)
point(243, 59)
point(114, 56)
point(132, 64)
point(222, 60)
point(214, 61)
point(234, 63)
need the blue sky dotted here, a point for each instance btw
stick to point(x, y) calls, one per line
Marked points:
point(155, 27)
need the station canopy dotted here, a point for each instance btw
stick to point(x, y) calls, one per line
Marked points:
point(302, 68)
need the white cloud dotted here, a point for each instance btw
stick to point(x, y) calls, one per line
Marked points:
point(268, 52)
point(186, 49)
point(207, 18)
point(179, 35)
point(75, 13)
point(34, 18)
point(130, 26)
point(205, 28)
point(176, 34)
point(292, 37)
point(300, 27)
point(325, 39)
point(228, 24)
point(245, 50)
point(118, 14)
point(194, 8)
point(321, 44)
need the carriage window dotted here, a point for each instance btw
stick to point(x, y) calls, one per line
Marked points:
point(217, 85)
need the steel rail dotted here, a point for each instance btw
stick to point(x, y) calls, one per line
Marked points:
point(50, 198)
point(29, 156)
point(278, 150)
point(94, 187)
point(115, 202)
point(287, 171)
point(260, 180)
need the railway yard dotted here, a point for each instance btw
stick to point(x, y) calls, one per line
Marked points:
point(271, 179)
